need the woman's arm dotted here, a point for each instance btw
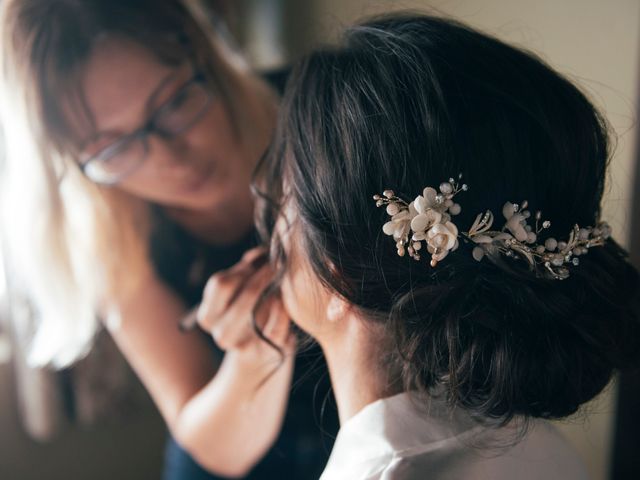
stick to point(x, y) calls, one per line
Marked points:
point(225, 420)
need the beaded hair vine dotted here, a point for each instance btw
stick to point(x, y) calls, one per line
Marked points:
point(428, 220)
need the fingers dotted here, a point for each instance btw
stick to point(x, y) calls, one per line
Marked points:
point(277, 327)
point(228, 302)
point(252, 260)
point(223, 288)
point(232, 324)
point(275, 332)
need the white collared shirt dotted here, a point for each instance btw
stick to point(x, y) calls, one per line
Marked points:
point(393, 439)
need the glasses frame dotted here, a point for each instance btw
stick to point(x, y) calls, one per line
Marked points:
point(150, 127)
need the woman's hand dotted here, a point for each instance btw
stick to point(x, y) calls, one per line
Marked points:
point(226, 415)
point(227, 311)
point(231, 424)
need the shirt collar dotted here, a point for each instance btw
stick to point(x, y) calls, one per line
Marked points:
point(394, 426)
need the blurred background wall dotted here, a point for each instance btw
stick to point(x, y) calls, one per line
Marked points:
point(593, 42)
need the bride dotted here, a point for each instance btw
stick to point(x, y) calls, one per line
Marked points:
point(433, 200)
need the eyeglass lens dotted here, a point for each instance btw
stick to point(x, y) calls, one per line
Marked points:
point(174, 117)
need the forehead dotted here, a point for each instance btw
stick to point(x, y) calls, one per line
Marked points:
point(116, 85)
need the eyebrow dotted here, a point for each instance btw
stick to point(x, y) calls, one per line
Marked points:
point(150, 101)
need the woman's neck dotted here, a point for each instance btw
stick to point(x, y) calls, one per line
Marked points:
point(226, 224)
point(357, 361)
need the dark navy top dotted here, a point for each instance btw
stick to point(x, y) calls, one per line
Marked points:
point(311, 423)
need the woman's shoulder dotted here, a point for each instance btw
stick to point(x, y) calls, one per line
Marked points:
point(544, 452)
point(394, 438)
point(541, 452)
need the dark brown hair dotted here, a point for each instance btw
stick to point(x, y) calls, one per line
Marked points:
point(407, 101)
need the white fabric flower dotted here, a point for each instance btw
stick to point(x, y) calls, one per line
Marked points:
point(400, 223)
point(426, 201)
point(429, 219)
point(441, 239)
point(422, 222)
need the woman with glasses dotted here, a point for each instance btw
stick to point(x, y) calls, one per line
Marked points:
point(131, 132)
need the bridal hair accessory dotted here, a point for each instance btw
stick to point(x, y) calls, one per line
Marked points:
point(428, 219)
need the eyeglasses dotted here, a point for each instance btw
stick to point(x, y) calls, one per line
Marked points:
point(122, 157)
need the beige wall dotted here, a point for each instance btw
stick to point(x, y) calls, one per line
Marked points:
point(593, 42)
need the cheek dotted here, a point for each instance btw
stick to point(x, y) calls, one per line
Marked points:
point(142, 187)
point(293, 297)
point(289, 299)
point(303, 294)
point(215, 142)
point(214, 133)
point(303, 297)
point(209, 148)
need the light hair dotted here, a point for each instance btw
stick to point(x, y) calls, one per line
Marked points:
point(68, 238)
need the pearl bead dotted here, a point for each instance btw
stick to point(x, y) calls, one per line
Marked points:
point(446, 188)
